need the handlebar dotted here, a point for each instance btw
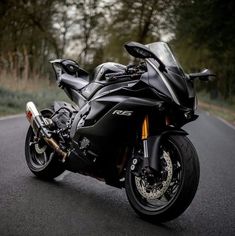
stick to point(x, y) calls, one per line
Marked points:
point(131, 71)
point(204, 75)
point(120, 75)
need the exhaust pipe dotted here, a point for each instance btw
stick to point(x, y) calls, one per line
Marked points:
point(38, 123)
point(36, 120)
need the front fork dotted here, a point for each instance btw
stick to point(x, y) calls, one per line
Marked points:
point(152, 145)
point(144, 137)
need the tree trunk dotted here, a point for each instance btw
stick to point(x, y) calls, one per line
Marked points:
point(26, 64)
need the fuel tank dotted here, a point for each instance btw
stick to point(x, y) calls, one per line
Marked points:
point(106, 68)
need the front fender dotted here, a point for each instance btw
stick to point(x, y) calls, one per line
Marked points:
point(154, 144)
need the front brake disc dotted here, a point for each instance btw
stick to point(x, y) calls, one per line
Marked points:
point(156, 190)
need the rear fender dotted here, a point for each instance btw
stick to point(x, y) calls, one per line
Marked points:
point(154, 144)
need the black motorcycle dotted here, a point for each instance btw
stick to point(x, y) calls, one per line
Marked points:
point(124, 128)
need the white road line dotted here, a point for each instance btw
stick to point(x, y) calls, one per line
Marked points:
point(221, 119)
point(12, 117)
point(226, 122)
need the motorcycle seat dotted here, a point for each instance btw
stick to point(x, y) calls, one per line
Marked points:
point(87, 84)
point(76, 83)
point(98, 77)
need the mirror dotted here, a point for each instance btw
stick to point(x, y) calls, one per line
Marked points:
point(139, 50)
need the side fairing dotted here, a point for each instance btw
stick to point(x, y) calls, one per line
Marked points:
point(112, 122)
point(153, 79)
point(174, 86)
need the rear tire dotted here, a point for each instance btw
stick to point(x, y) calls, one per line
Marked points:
point(44, 164)
point(181, 188)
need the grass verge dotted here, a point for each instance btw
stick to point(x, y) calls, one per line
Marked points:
point(13, 102)
point(218, 108)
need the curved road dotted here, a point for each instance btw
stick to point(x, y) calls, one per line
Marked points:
point(78, 205)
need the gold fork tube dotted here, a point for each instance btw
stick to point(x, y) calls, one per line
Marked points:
point(145, 128)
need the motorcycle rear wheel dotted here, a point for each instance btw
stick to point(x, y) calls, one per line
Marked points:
point(40, 158)
point(164, 201)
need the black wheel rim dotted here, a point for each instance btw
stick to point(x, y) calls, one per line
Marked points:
point(40, 154)
point(165, 200)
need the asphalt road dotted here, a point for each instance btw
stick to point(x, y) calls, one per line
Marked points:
point(78, 205)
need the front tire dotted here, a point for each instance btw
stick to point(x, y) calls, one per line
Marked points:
point(41, 158)
point(168, 195)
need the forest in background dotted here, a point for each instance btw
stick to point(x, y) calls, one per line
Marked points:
point(201, 32)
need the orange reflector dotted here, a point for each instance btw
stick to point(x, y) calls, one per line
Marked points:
point(145, 128)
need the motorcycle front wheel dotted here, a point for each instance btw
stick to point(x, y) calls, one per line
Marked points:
point(164, 196)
